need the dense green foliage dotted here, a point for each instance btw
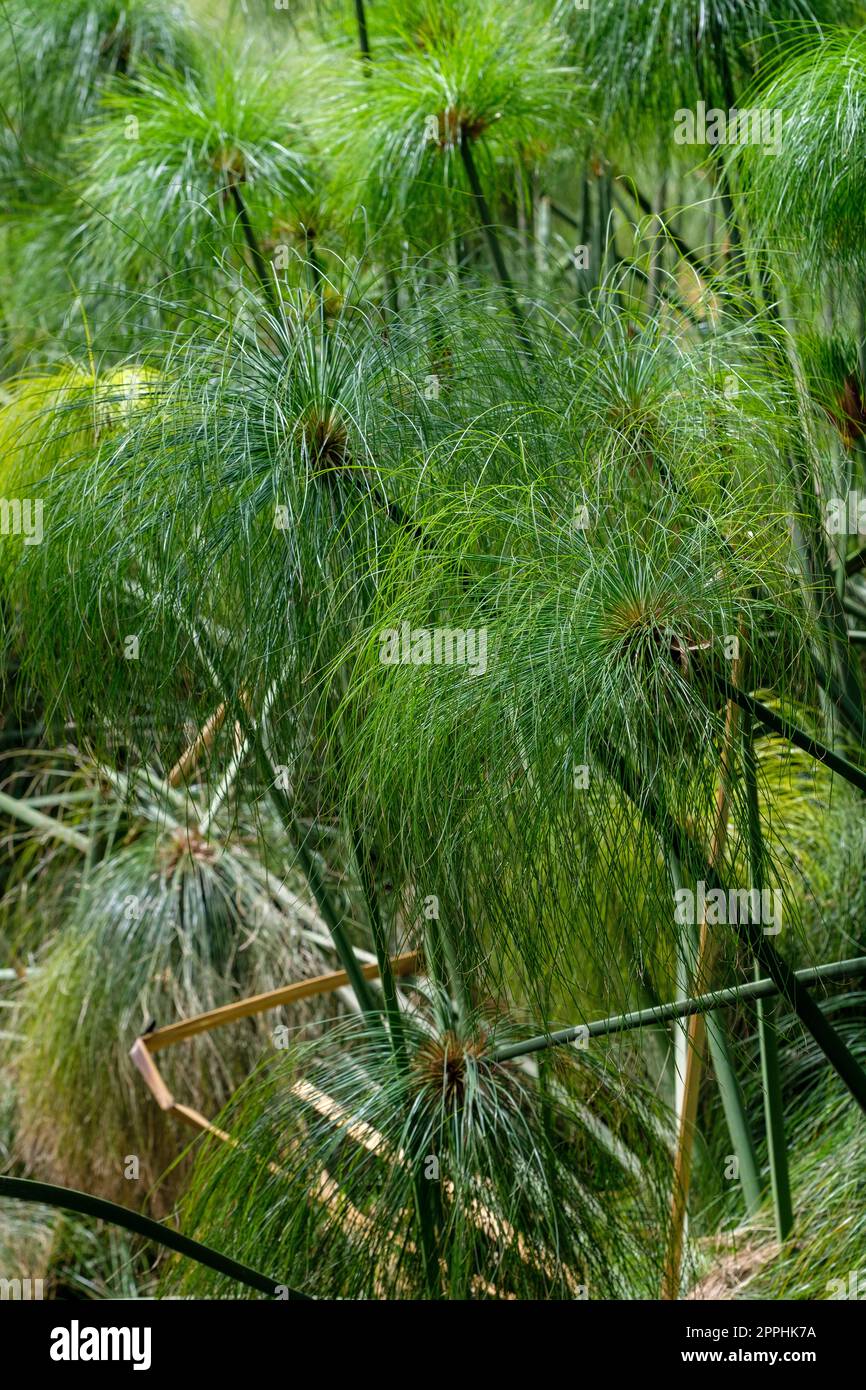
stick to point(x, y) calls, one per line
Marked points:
point(426, 449)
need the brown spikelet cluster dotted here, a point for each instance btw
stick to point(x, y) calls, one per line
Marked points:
point(849, 417)
point(185, 843)
point(287, 230)
point(641, 636)
point(441, 1064)
point(232, 164)
point(454, 123)
point(325, 442)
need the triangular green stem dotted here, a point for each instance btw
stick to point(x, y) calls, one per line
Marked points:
point(767, 1011)
point(729, 1087)
point(772, 963)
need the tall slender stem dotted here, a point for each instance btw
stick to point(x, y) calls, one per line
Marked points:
point(765, 988)
point(317, 275)
point(313, 874)
point(424, 1196)
point(681, 1032)
point(736, 1117)
point(825, 596)
point(46, 825)
point(767, 1013)
point(260, 263)
point(657, 246)
point(484, 217)
point(377, 930)
point(645, 206)
point(251, 729)
point(705, 958)
point(730, 1091)
point(334, 919)
point(604, 191)
point(817, 750)
point(363, 32)
point(84, 1204)
point(693, 858)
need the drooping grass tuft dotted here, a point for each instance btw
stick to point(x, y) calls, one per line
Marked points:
point(461, 1179)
